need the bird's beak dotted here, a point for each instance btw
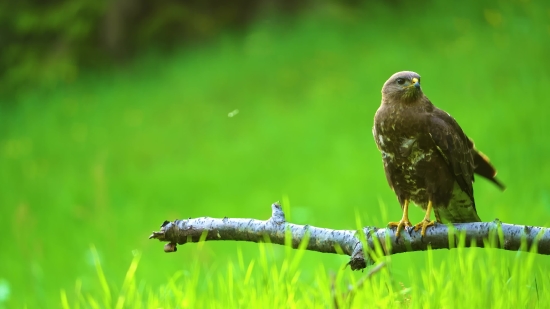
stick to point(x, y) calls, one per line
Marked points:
point(416, 83)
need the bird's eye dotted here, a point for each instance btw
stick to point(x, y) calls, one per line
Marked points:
point(400, 81)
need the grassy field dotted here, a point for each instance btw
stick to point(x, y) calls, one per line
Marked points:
point(281, 112)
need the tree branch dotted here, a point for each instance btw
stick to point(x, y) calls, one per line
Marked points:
point(350, 242)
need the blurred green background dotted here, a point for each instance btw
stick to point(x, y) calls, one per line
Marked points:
point(116, 116)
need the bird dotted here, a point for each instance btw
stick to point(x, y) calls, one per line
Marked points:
point(428, 159)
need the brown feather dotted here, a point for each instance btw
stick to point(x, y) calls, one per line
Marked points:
point(427, 157)
point(483, 166)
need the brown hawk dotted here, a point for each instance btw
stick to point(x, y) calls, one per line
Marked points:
point(427, 157)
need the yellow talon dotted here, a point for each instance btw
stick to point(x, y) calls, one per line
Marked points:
point(404, 222)
point(426, 222)
point(400, 225)
point(423, 224)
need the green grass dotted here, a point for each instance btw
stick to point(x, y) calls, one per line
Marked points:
point(466, 278)
point(106, 160)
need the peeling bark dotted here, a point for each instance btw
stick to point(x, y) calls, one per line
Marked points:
point(350, 242)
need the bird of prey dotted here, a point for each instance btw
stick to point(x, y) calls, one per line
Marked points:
point(427, 157)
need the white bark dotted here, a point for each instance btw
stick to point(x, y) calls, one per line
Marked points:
point(500, 235)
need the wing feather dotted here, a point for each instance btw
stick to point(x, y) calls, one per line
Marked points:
point(454, 146)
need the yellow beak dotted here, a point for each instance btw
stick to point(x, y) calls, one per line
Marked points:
point(415, 83)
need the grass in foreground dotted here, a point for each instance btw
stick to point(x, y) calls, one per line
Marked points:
point(462, 280)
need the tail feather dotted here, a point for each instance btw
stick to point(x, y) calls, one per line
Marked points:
point(484, 168)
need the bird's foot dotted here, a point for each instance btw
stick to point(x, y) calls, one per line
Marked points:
point(400, 225)
point(423, 225)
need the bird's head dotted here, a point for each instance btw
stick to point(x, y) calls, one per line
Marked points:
point(402, 87)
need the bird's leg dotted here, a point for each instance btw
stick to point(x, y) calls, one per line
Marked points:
point(426, 222)
point(404, 220)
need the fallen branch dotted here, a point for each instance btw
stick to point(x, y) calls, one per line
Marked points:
point(350, 242)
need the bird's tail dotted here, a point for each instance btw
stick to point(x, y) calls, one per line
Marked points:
point(484, 168)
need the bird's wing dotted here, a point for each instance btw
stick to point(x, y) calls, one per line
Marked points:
point(454, 146)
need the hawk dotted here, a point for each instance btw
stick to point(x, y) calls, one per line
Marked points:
point(427, 157)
